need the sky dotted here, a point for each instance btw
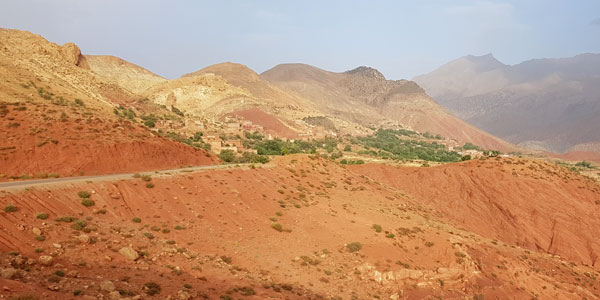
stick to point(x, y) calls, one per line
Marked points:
point(401, 39)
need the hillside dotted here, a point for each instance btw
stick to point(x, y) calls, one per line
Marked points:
point(544, 104)
point(58, 117)
point(364, 96)
point(125, 74)
point(305, 228)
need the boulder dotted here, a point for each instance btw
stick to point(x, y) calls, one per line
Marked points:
point(45, 260)
point(8, 273)
point(129, 253)
point(107, 286)
point(36, 231)
point(84, 238)
point(114, 295)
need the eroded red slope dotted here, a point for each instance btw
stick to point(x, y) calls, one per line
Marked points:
point(531, 204)
point(38, 139)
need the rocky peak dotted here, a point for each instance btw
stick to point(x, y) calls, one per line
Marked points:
point(366, 72)
point(72, 54)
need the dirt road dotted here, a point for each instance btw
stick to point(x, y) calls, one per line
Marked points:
point(25, 184)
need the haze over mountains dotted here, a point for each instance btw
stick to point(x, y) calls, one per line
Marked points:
point(547, 104)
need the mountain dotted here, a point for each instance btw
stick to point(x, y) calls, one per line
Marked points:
point(58, 116)
point(365, 97)
point(544, 104)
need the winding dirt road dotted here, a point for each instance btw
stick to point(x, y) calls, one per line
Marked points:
point(25, 184)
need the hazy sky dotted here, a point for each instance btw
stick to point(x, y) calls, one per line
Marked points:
point(400, 38)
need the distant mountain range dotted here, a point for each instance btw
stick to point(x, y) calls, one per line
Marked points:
point(544, 104)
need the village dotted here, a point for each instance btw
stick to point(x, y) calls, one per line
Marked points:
point(227, 132)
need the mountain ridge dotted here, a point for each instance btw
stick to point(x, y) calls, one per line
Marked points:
point(551, 102)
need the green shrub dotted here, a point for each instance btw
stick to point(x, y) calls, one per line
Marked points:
point(77, 292)
point(10, 208)
point(79, 225)
point(40, 238)
point(377, 228)
point(149, 123)
point(247, 291)
point(59, 273)
point(42, 216)
point(354, 246)
point(390, 235)
point(83, 194)
point(187, 285)
point(584, 164)
point(227, 156)
point(277, 227)
point(146, 178)
point(148, 235)
point(87, 202)
point(66, 219)
point(179, 227)
point(136, 220)
point(149, 185)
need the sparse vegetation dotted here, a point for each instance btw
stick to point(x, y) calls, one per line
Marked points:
point(10, 208)
point(354, 246)
point(585, 164)
point(66, 219)
point(277, 227)
point(391, 146)
point(79, 225)
point(377, 228)
point(87, 202)
point(83, 194)
point(136, 220)
point(229, 156)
